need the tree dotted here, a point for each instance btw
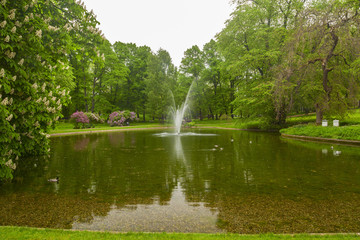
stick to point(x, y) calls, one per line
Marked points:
point(34, 73)
point(160, 81)
point(191, 67)
point(323, 49)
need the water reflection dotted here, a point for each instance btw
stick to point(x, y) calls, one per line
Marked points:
point(135, 181)
point(175, 216)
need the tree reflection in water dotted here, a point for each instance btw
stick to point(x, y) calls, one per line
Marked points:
point(135, 181)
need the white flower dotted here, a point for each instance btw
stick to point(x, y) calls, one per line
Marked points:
point(12, 91)
point(7, 38)
point(38, 57)
point(3, 24)
point(17, 23)
point(35, 86)
point(2, 73)
point(53, 99)
point(12, 16)
point(10, 164)
point(58, 102)
point(10, 54)
point(21, 62)
point(39, 100)
point(28, 99)
point(38, 33)
point(10, 101)
point(36, 124)
point(50, 94)
point(43, 87)
point(13, 30)
point(26, 19)
point(3, 2)
point(14, 78)
point(9, 118)
point(26, 7)
point(5, 101)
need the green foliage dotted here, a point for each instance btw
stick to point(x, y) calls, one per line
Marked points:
point(345, 132)
point(35, 73)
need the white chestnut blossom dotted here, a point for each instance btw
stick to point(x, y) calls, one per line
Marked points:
point(3, 24)
point(13, 30)
point(7, 38)
point(9, 118)
point(21, 62)
point(38, 33)
point(12, 15)
point(5, 101)
point(2, 73)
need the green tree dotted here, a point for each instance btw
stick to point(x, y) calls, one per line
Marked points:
point(322, 54)
point(191, 67)
point(161, 80)
point(34, 73)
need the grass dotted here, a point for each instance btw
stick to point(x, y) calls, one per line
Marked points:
point(65, 127)
point(349, 127)
point(33, 233)
point(345, 132)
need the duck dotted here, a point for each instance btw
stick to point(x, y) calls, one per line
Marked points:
point(54, 179)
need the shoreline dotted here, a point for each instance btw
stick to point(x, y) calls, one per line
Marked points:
point(104, 131)
point(319, 139)
point(298, 137)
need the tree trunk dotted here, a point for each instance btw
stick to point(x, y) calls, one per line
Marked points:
point(93, 96)
point(319, 114)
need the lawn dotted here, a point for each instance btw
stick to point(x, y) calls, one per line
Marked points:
point(32, 233)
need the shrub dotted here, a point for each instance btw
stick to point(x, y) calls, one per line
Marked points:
point(121, 118)
point(78, 118)
point(94, 118)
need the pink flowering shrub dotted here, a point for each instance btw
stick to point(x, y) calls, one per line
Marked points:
point(78, 118)
point(121, 118)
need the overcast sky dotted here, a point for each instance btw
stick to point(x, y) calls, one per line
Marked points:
point(174, 25)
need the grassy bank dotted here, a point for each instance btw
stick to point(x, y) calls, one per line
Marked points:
point(65, 127)
point(31, 233)
point(344, 132)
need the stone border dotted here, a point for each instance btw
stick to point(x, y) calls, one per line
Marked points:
point(319, 139)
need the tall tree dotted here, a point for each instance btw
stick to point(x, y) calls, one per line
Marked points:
point(35, 76)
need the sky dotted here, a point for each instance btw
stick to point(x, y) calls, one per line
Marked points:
point(173, 25)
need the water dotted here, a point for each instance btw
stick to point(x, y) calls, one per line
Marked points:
point(144, 181)
point(179, 112)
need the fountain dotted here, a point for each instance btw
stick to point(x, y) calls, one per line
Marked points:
point(178, 113)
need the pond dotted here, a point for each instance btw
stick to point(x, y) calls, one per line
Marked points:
point(217, 181)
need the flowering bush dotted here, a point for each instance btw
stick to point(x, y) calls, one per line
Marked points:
point(79, 118)
point(120, 118)
point(94, 118)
